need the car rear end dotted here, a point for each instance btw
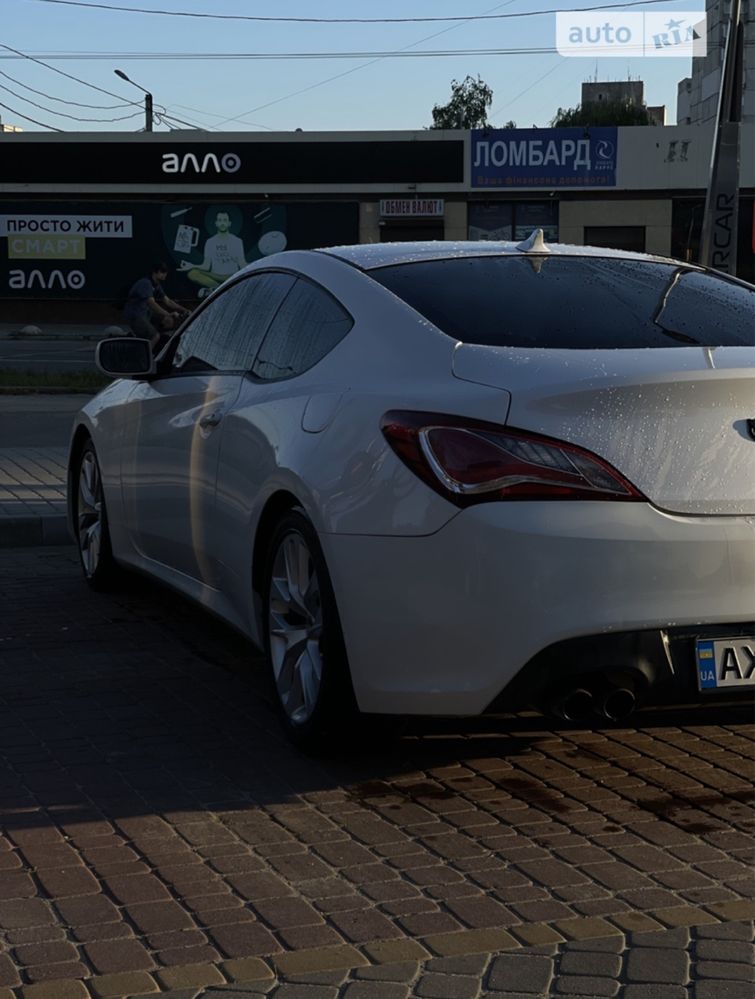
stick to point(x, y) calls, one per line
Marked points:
point(602, 552)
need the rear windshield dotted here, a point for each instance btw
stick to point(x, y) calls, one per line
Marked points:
point(577, 302)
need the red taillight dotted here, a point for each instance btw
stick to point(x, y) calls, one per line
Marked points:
point(468, 461)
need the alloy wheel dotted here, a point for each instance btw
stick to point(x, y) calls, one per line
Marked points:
point(89, 513)
point(295, 627)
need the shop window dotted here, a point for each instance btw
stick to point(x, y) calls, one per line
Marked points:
point(405, 231)
point(529, 215)
point(505, 220)
point(616, 237)
point(492, 220)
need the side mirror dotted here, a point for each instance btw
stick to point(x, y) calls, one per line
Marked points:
point(125, 356)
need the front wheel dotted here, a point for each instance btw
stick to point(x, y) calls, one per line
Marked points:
point(90, 523)
point(303, 637)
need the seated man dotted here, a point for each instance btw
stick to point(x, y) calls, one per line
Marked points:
point(147, 299)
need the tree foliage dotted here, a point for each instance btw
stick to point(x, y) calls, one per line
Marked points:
point(468, 107)
point(603, 113)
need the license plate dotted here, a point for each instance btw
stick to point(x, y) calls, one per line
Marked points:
point(726, 663)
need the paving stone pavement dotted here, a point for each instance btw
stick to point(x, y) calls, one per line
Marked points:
point(666, 964)
point(32, 481)
point(160, 836)
point(33, 496)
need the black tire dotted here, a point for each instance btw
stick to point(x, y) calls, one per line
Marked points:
point(90, 522)
point(331, 710)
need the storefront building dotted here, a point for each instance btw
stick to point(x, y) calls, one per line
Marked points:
point(83, 215)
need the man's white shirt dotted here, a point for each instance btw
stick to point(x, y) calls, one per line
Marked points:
point(224, 253)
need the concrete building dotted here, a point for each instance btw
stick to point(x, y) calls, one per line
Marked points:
point(621, 91)
point(697, 95)
point(83, 215)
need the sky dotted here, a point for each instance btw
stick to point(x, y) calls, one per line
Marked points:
point(327, 94)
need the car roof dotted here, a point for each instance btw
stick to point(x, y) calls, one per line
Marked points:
point(368, 256)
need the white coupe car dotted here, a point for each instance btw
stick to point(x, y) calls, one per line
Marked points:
point(446, 478)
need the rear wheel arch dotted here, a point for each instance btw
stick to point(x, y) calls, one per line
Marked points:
point(80, 439)
point(277, 506)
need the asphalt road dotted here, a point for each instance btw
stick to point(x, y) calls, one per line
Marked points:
point(47, 355)
point(37, 420)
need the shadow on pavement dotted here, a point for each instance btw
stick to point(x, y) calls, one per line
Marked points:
point(139, 702)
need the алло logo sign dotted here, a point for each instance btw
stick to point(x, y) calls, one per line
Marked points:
point(200, 163)
point(606, 33)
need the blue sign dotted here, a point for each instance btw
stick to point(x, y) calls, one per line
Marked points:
point(544, 157)
point(706, 664)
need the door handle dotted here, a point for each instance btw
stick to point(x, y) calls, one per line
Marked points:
point(210, 420)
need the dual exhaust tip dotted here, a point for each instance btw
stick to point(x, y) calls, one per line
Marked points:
point(579, 704)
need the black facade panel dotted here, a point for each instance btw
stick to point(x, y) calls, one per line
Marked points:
point(231, 162)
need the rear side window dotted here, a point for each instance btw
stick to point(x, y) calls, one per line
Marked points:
point(227, 333)
point(307, 326)
point(575, 302)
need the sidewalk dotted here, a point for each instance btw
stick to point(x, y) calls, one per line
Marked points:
point(33, 496)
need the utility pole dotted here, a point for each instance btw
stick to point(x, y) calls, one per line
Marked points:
point(718, 244)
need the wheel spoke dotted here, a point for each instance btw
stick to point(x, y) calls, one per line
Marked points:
point(311, 601)
point(280, 597)
point(290, 680)
point(87, 484)
point(299, 572)
point(90, 545)
point(310, 670)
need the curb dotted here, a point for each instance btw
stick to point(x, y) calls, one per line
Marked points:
point(232, 975)
point(34, 532)
point(47, 390)
point(52, 337)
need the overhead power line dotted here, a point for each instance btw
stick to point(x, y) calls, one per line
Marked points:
point(166, 117)
point(355, 69)
point(513, 100)
point(18, 54)
point(61, 100)
point(214, 114)
point(27, 118)
point(63, 114)
point(629, 51)
point(337, 20)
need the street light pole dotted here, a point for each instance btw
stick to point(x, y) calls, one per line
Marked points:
point(148, 115)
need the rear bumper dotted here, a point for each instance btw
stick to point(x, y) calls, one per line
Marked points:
point(443, 624)
point(659, 667)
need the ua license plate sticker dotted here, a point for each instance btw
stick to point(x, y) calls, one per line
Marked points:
point(726, 663)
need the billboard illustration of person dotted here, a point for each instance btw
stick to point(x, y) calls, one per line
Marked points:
point(235, 235)
point(223, 255)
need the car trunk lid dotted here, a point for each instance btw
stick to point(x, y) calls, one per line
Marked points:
point(678, 422)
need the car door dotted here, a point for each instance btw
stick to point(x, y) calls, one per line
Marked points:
point(176, 424)
point(266, 420)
